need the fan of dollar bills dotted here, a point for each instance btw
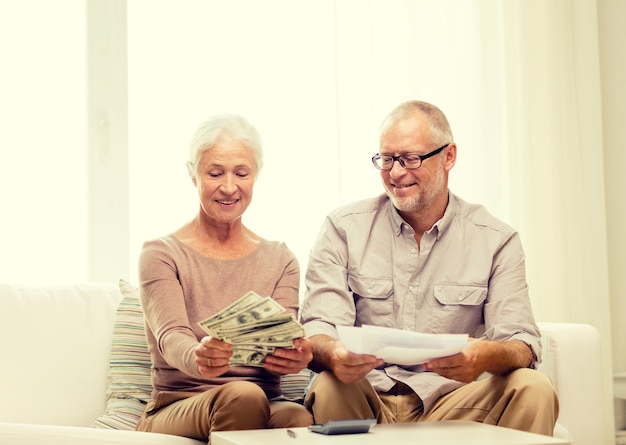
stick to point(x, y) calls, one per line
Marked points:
point(254, 326)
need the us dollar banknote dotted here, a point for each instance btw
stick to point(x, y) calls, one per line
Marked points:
point(254, 326)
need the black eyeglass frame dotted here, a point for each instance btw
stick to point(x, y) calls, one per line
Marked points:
point(401, 160)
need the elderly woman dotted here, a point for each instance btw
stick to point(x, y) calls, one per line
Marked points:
point(202, 268)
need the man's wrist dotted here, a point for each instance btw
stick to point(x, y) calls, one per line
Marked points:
point(323, 347)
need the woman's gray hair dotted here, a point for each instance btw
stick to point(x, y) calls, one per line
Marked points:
point(440, 132)
point(232, 125)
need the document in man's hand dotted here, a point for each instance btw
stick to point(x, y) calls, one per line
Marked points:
point(399, 346)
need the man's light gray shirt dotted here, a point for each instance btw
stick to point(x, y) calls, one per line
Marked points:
point(467, 276)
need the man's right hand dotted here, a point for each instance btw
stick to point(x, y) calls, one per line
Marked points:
point(347, 366)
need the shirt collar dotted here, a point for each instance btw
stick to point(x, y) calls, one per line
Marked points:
point(451, 209)
point(396, 220)
point(438, 228)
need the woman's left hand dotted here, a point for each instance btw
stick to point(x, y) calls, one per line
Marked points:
point(290, 361)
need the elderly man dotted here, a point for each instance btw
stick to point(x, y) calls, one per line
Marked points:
point(420, 258)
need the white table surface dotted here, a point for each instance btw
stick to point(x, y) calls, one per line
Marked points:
point(452, 432)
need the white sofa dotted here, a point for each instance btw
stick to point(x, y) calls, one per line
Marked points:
point(74, 369)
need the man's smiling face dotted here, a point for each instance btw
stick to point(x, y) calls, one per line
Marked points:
point(412, 190)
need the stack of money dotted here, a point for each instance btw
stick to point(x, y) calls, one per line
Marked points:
point(254, 326)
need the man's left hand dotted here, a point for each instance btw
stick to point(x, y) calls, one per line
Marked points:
point(495, 357)
point(464, 366)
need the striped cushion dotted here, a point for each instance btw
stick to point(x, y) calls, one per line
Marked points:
point(129, 365)
point(294, 386)
point(121, 414)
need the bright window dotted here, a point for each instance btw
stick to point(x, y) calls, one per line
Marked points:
point(43, 156)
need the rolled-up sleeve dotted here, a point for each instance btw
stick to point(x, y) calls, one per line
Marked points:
point(508, 312)
point(328, 302)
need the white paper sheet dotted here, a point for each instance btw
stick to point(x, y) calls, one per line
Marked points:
point(399, 346)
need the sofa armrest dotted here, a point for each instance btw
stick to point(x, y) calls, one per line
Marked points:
point(572, 359)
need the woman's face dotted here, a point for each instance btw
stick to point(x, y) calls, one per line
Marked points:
point(225, 175)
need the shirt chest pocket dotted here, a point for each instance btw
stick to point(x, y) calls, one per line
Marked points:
point(373, 299)
point(460, 295)
point(459, 308)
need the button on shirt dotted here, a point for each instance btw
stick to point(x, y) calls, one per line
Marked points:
point(466, 277)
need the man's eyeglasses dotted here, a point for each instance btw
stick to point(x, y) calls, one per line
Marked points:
point(409, 161)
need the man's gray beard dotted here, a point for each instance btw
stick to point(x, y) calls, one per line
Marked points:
point(413, 204)
point(423, 200)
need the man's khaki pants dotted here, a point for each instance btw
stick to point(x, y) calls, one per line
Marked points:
point(524, 400)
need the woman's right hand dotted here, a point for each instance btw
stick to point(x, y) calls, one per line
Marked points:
point(212, 357)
